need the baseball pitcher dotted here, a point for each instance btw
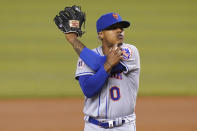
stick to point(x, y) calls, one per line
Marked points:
point(108, 75)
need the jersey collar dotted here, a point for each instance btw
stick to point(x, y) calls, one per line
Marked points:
point(99, 51)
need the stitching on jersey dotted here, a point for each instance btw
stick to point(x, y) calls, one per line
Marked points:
point(106, 108)
point(84, 73)
point(99, 104)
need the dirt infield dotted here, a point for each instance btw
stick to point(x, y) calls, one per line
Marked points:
point(153, 114)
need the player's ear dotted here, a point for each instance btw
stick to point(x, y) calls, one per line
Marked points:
point(100, 35)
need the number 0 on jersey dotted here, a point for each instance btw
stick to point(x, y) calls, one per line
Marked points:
point(115, 93)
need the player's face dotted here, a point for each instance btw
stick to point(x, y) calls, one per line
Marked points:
point(113, 35)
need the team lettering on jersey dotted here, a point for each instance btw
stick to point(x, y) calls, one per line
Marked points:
point(116, 76)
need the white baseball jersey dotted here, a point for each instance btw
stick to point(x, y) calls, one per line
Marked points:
point(118, 95)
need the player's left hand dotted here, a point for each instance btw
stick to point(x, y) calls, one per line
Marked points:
point(70, 20)
point(71, 37)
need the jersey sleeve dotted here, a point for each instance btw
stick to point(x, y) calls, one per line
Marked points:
point(131, 58)
point(83, 69)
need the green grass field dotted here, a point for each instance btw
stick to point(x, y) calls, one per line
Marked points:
point(36, 60)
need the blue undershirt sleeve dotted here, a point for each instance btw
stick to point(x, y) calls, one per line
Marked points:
point(93, 60)
point(118, 68)
point(92, 84)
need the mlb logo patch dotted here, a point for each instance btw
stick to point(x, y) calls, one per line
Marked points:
point(80, 64)
point(126, 53)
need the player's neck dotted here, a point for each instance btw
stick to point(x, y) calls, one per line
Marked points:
point(105, 48)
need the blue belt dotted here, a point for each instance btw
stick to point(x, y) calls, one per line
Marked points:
point(108, 124)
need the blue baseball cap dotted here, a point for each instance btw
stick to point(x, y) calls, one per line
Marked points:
point(109, 19)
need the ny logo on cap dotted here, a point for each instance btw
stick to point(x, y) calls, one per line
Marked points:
point(115, 16)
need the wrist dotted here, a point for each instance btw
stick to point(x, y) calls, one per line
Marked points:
point(70, 37)
point(107, 67)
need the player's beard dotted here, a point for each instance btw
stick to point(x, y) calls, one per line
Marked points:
point(119, 44)
point(120, 38)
